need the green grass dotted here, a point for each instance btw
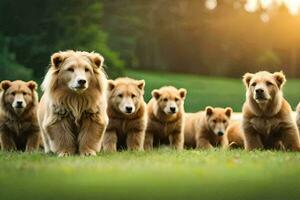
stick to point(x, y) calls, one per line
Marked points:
point(203, 91)
point(161, 174)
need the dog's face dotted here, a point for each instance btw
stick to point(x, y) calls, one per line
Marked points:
point(76, 69)
point(126, 95)
point(169, 99)
point(218, 119)
point(18, 95)
point(263, 87)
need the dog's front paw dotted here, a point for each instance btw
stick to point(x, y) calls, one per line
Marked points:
point(64, 154)
point(88, 152)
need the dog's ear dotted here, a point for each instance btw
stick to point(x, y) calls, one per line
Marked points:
point(182, 93)
point(97, 59)
point(141, 84)
point(209, 110)
point(228, 111)
point(111, 85)
point(247, 78)
point(57, 59)
point(32, 85)
point(156, 94)
point(5, 84)
point(280, 78)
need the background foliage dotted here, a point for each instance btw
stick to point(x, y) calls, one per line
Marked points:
point(179, 36)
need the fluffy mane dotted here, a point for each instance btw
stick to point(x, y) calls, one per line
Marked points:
point(76, 103)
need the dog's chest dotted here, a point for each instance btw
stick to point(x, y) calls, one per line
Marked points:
point(17, 127)
point(265, 125)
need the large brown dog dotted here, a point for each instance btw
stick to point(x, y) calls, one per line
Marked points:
point(206, 129)
point(267, 116)
point(72, 112)
point(19, 128)
point(127, 115)
point(166, 118)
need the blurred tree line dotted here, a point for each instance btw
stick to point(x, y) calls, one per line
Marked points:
point(173, 35)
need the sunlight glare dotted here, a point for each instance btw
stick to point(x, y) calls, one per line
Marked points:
point(211, 4)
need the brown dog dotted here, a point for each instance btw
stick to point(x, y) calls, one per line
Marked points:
point(19, 128)
point(205, 130)
point(166, 118)
point(267, 116)
point(127, 115)
point(72, 112)
point(235, 135)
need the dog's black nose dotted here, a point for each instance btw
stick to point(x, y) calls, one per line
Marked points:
point(128, 109)
point(259, 91)
point(19, 104)
point(81, 81)
point(220, 133)
point(173, 109)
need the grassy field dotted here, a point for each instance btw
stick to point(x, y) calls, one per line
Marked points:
point(214, 91)
point(163, 173)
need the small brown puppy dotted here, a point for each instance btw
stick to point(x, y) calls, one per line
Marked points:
point(72, 112)
point(127, 115)
point(235, 135)
point(298, 116)
point(205, 130)
point(19, 129)
point(267, 116)
point(165, 118)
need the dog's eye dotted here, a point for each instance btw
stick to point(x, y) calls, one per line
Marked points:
point(269, 83)
point(13, 93)
point(253, 84)
point(120, 95)
point(214, 121)
point(165, 99)
point(133, 96)
point(24, 93)
point(70, 69)
point(224, 121)
point(176, 99)
point(86, 70)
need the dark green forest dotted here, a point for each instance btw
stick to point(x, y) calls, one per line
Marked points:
point(177, 36)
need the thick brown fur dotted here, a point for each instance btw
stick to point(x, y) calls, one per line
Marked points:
point(165, 127)
point(126, 128)
point(207, 129)
point(19, 128)
point(235, 135)
point(72, 119)
point(267, 116)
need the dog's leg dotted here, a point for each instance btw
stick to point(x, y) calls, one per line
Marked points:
point(45, 140)
point(177, 140)
point(61, 138)
point(148, 143)
point(110, 140)
point(203, 143)
point(224, 143)
point(253, 142)
point(290, 138)
point(135, 140)
point(7, 142)
point(33, 142)
point(251, 136)
point(91, 135)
